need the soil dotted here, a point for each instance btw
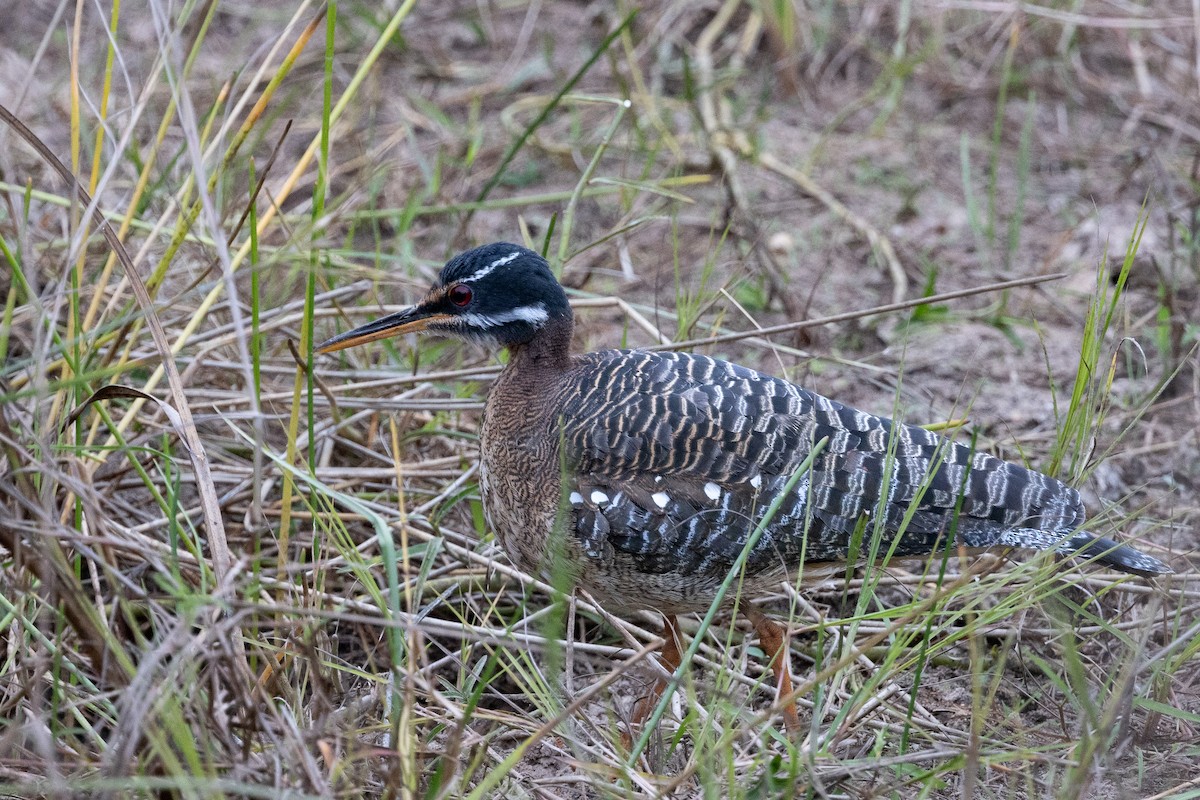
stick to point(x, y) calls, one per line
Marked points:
point(977, 162)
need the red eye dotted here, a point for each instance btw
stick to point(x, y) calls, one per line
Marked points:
point(460, 294)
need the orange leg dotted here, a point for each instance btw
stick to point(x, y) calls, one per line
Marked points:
point(671, 657)
point(773, 638)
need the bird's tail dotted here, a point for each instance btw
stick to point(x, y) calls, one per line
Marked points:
point(1116, 555)
point(1104, 552)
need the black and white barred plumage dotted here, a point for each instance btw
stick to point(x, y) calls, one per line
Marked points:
point(676, 458)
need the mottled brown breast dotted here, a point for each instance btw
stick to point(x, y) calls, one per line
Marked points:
point(520, 476)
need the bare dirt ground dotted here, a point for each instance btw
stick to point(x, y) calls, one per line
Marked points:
point(778, 162)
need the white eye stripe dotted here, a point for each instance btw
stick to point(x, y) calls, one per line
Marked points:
point(535, 314)
point(499, 262)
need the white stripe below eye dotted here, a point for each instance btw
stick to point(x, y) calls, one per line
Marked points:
point(535, 315)
point(499, 262)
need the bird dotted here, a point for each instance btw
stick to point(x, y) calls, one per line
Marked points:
point(657, 468)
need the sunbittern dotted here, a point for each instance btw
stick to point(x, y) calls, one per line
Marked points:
point(671, 461)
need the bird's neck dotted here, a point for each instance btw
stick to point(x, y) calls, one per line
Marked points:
point(520, 474)
point(523, 394)
point(548, 352)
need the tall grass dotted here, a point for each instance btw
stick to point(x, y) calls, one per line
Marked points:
point(229, 568)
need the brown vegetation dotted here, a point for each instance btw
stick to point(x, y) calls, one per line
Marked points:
point(225, 574)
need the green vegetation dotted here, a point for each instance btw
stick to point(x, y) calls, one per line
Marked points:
point(229, 568)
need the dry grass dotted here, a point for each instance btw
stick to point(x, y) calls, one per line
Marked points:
point(223, 573)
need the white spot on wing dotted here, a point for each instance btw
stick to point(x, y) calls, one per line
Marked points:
point(661, 499)
point(756, 481)
point(576, 498)
point(712, 491)
point(599, 497)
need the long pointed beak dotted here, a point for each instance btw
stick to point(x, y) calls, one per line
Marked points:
point(410, 320)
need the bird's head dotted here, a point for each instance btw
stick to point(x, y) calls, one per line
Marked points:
point(499, 293)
